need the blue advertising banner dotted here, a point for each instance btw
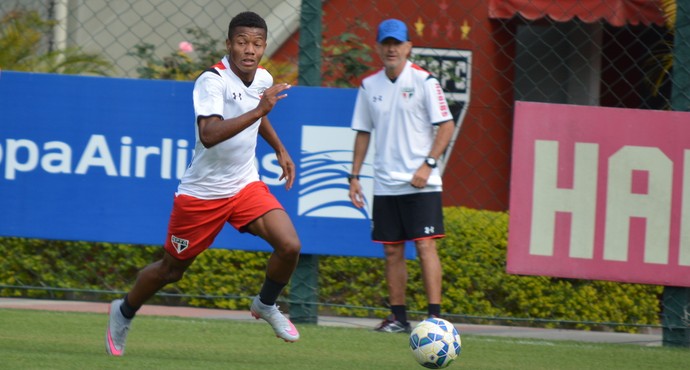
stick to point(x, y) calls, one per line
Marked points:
point(99, 159)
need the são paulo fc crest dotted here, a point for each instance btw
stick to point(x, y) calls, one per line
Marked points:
point(407, 92)
point(179, 243)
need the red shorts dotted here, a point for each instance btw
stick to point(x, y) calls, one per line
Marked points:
point(195, 223)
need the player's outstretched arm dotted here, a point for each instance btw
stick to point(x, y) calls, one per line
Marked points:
point(269, 134)
point(214, 130)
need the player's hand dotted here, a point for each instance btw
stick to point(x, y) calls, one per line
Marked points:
point(271, 96)
point(288, 167)
point(356, 195)
point(420, 178)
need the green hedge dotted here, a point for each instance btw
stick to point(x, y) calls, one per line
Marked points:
point(474, 279)
point(473, 256)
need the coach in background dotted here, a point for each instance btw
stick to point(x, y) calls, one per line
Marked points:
point(406, 106)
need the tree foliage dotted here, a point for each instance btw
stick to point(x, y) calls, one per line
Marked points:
point(24, 44)
point(184, 65)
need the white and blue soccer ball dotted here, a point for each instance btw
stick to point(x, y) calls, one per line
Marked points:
point(435, 343)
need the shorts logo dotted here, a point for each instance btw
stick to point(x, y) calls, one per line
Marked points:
point(324, 166)
point(179, 244)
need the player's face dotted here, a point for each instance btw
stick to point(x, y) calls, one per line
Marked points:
point(394, 53)
point(245, 50)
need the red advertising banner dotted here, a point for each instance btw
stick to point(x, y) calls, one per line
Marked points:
point(600, 193)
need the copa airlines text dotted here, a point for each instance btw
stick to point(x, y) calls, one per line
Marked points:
point(57, 157)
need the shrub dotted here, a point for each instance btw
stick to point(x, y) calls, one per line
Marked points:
point(475, 283)
point(192, 58)
point(22, 40)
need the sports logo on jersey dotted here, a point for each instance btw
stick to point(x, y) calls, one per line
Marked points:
point(407, 92)
point(179, 244)
point(325, 164)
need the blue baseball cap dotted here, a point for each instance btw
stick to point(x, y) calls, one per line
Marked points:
point(393, 28)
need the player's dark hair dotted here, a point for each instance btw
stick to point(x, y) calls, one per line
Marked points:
point(246, 19)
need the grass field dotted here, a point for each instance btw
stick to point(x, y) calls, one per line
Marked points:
point(67, 340)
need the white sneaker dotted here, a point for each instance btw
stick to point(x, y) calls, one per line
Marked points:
point(118, 326)
point(281, 325)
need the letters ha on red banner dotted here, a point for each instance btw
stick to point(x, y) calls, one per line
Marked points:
point(600, 193)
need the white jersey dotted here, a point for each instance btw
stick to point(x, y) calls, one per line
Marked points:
point(224, 169)
point(404, 113)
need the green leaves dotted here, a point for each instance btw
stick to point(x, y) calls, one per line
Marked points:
point(473, 256)
point(24, 40)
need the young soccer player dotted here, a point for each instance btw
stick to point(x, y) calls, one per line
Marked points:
point(231, 103)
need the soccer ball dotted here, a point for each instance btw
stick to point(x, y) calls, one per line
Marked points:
point(435, 343)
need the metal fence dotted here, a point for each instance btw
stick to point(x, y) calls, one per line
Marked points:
point(559, 54)
point(488, 54)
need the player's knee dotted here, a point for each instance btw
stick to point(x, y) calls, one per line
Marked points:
point(174, 276)
point(168, 274)
point(392, 251)
point(290, 248)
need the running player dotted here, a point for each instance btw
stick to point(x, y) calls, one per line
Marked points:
point(231, 103)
